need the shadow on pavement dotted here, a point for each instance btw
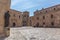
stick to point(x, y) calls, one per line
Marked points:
point(2, 38)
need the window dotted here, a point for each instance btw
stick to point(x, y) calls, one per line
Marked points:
point(37, 18)
point(14, 15)
point(54, 9)
point(19, 16)
point(8, 29)
point(43, 23)
point(24, 15)
point(51, 16)
point(14, 24)
point(43, 17)
point(46, 10)
point(52, 23)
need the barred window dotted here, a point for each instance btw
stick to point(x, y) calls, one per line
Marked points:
point(51, 16)
point(43, 23)
point(37, 18)
point(19, 16)
point(43, 17)
point(52, 23)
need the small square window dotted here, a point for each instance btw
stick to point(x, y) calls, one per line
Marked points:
point(54, 9)
point(51, 16)
point(37, 18)
point(8, 29)
point(43, 17)
point(19, 16)
point(24, 15)
point(46, 10)
point(43, 23)
point(52, 23)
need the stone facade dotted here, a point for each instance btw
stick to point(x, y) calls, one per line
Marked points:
point(18, 19)
point(25, 18)
point(4, 6)
point(49, 17)
point(15, 18)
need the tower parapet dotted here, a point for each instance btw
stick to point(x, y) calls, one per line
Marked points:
point(47, 10)
point(25, 18)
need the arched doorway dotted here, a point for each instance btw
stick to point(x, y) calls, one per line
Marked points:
point(37, 25)
point(14, 24)
point(6, 18)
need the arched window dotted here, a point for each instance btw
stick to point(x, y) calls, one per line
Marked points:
point(37, 18)
point(51, 16)
point(54, 8)
point(43, 23)
point(52, 23)
point(19, 16)
point(14, 24)
point(24, 16)
point(43, 17)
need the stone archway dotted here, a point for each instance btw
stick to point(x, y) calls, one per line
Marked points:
point(6, 18)
point(37, 25)
point(14, 24)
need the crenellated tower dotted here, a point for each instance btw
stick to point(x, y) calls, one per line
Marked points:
point(25, 18)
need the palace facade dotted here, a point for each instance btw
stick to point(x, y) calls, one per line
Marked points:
point(46, 18)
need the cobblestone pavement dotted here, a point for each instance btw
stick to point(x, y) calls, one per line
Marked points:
point(34, 34)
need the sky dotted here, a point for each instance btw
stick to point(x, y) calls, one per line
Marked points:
point(32, 5)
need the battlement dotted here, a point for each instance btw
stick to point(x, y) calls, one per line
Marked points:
point(48, 10)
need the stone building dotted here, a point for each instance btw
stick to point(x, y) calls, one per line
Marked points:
point(48, 17)
point(4, 7)
point(15, 18)
point(25, 18)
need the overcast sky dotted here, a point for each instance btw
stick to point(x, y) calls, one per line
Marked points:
point(32, 5)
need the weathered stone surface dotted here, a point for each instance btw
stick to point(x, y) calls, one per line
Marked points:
point(34, 34)
point(4, 7)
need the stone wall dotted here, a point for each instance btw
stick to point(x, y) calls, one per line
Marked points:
point(15, 18)
point(4, 7)
point(49, 17)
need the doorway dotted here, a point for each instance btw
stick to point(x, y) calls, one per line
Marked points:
point(14, 24)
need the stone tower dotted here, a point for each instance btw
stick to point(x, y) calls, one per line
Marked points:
point(4, 7)
point(25, 18)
